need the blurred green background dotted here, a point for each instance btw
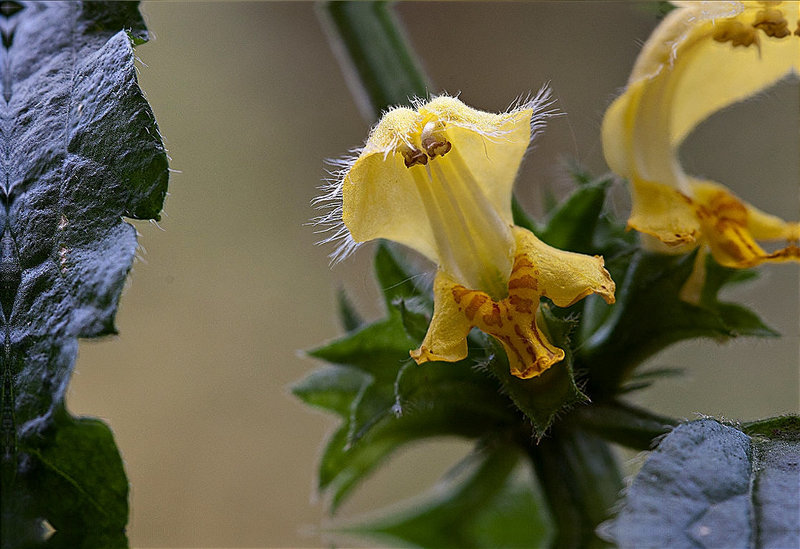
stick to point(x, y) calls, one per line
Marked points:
point(251, 100)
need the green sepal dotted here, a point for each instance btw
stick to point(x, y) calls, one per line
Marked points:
point(543, 398)
point(415, 315)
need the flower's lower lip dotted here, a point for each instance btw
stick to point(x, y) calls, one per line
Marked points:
point(538, 271)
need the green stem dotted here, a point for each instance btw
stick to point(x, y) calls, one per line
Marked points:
point(580, 480)
point(371, 44)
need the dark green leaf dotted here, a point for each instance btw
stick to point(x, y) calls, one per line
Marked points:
point(571, 225)
point(712, 485)
point(82, 150)
point(649, 315)
point(379, 348)
point(387, 401)
point(786, 428)
point(374, 50)
point(333, 388)
point(482, 504)
point(344, 464)
point(74, 478)
point(623, 423)
point(739, 320)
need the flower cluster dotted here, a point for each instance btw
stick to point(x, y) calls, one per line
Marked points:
point(438, 178)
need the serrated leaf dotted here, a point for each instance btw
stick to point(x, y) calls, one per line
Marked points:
point(333, 388)
point(484, 505)
point(82, 150)
point(649, 316)
point(712, 485)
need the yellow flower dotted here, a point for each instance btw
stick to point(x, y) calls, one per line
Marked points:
point(703, 57)
point(438, 178)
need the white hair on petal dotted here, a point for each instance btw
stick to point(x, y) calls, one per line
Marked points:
point(330, 222)
point(542, 106)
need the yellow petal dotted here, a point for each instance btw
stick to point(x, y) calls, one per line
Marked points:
point(564, 277)
point(446, 339)
point(760, 225)
point(664, 213)
point(715, 69)
point(730, 227)
point(539, 270)
point(380, 200)
point(512, 321)
point(439, 180)
point(494, 143)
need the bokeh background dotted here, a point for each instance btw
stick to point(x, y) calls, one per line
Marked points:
point(231, 287)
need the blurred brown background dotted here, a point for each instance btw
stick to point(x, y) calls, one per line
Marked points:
point(250, 101)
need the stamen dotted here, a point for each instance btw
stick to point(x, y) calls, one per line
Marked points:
point(773, 23)
point(433, 139)
point(412, 156)
point(735, 32)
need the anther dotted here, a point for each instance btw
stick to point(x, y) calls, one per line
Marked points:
point(736, 33)
point(433, 139)
point(773, 23)
point(413, 156)
point(434, 147)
